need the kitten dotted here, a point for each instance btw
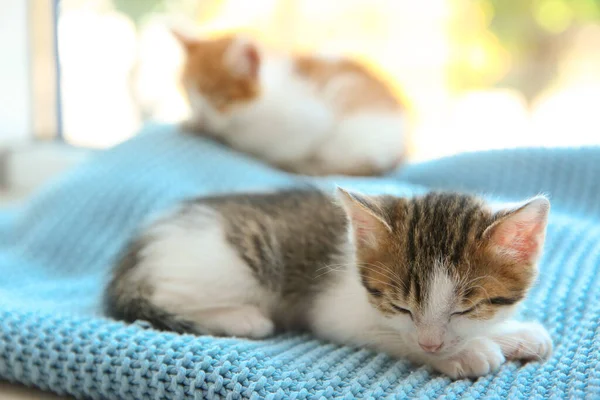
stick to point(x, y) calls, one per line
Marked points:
point(303, 114)
point(433, 279)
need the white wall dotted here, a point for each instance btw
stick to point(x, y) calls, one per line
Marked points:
point(15, 107)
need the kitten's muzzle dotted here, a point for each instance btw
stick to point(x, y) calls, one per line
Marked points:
point(431, 347)
point(430, 337)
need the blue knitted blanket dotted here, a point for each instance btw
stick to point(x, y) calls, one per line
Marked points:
point(56, 251)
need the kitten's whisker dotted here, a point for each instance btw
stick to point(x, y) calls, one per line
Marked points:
point(328, 268)
point(389, 269)
point(386, 272)
point(383, 276)
point(487, 295)
point(498, 282)
point(381, 269)
point(466, 285)
point(473, 304)
point(394, 274)
point(331, 268)
point(384, 268)
point(383, 283)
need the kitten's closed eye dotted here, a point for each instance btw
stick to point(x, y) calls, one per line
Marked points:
point(496, 301)
point(467, 311)
point(374, 292)
point(402, 310)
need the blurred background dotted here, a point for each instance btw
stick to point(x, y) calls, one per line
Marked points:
point(477, 74)
point(79, 75)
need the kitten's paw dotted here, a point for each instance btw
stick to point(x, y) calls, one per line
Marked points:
point(243, 321)
point(480, 357)
point(525, 341)
point(248, 322)
point(255, 327)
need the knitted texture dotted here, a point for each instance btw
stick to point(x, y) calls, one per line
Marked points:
point(56, 252)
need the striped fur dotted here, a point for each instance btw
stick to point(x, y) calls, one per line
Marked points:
point(437, 273)
point(446, 227)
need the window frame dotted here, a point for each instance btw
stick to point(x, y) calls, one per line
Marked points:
point(45, 69)
point(31, 146)
point(30, 71)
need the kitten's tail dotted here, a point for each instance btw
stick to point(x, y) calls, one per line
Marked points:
point(127, 298)
point(133, 309)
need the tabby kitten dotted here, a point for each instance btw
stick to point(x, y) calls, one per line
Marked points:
point(433, 279)
point(305, 114)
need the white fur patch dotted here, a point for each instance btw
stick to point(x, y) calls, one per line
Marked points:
point(194, 270)
point(204, 115)
point(432, 323)
point(370, 138)
point(441, 296)
point(342, 313)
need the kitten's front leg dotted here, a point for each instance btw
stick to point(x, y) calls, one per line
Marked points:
point(512, 340)
point(523, 340)
point(479, 357)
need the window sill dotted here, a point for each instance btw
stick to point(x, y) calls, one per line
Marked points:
point(26, 166)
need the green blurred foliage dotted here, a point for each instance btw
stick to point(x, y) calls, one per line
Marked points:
point(137, 10)
point(516, 20)
point(507, 43)
point(530, 34)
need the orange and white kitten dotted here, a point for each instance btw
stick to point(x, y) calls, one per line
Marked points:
point(304, 114)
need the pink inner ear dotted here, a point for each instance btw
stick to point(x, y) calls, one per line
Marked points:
point(521, 239)
point(252, 58)
point(366, 225)
point(363, 227)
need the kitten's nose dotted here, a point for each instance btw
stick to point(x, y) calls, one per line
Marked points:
point(431, 348)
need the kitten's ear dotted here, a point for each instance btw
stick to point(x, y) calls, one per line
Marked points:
point(519, 235)
point(187, 41)
point(365, 215)
point(242, 58)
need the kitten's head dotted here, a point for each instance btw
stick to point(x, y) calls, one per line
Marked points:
point(445, 267)
point(219, 75)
